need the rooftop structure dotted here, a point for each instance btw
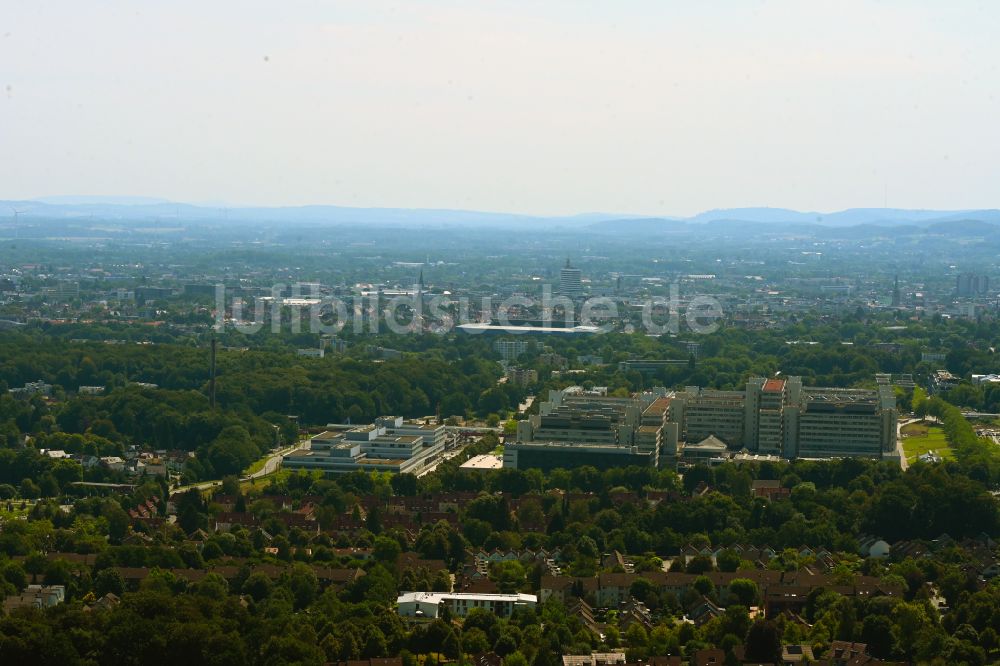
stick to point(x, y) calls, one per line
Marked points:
point(482, 463)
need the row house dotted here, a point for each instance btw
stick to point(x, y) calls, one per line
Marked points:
point(779, 590)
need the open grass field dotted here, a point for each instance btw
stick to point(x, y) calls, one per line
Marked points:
point(919, 438)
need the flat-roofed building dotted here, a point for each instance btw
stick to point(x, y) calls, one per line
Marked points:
point(649, 366)
point(574, 416)
point(595, 659)
point(483, 463)
point(547, 455)
point(570, 281)
point(521, 376)
point(703, 412)
point(845, 422)
point(388, 445)
point(430, 605)
point(781, 417)
point(509, 350)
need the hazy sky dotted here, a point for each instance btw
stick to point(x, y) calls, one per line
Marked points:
point(536, 106)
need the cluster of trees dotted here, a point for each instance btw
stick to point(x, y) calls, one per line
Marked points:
point(255, 392)
point(318, 391)
point(978, 458)
point(253, 618)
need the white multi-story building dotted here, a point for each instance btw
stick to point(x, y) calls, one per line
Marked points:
point(430, 604)
point(388, 445)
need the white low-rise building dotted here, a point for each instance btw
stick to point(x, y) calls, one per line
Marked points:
point(486, 462)
point(388, 445)
point(430, 604)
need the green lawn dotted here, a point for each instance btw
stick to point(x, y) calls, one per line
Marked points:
point(281, 475)
point(18, 511)
point(919, 438)
point(256, 466)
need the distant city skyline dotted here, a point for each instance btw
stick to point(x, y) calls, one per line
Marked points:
point(639, 107)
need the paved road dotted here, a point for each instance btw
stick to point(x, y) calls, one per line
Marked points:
point(899, 442)
point(274, 462)
point(448, 455)
point(271, 466)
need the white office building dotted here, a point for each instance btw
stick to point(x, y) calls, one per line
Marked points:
point(388, 445)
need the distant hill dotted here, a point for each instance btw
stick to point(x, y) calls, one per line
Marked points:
point(144, 210)
point(844, 218)
point(870, 222)
point(964, 228)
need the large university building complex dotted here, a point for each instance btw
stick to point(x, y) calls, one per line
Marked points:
point(576, 427)
point(388, 445)
point(776, 417)
point(782, 417)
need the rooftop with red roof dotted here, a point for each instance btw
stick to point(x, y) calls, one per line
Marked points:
point(774, 385)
